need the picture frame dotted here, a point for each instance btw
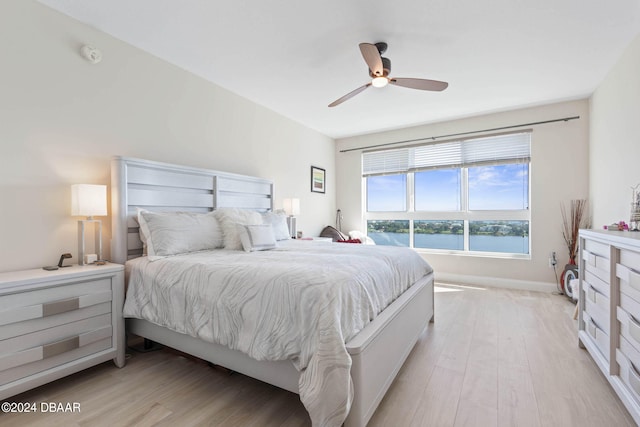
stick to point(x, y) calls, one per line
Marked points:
point(318, 179)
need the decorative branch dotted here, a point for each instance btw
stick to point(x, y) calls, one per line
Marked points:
point(574, 219)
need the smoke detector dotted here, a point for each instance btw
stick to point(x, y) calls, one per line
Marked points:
point(91, 54)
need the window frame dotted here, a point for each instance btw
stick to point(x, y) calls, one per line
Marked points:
point(464, 215)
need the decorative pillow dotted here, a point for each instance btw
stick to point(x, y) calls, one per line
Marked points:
point(332, 232)
point(278, 220)
point(173, 233)
point(256, 237)
point(355, 234)
point(350, 241)
point(229, 219)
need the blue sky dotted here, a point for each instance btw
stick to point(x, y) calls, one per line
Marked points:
point(502, 187)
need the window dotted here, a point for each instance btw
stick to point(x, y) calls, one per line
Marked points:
point(387, 193)
point(456, 196)
point(500, 187)
point(437, 190)
point(390, 233)
point(438, 234)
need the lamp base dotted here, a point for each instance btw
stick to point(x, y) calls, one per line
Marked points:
point(97, 242)
point(291, 223)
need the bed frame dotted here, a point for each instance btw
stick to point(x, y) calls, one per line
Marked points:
point(377, 352)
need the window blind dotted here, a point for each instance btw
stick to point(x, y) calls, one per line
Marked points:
point(492, 150)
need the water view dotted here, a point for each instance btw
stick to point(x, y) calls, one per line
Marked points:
point(502, 244)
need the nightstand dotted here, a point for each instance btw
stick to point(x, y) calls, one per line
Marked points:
point(55, 323)
point(316, 239)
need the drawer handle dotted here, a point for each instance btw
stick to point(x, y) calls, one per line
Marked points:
point(59, 347)
point(591, 259)
point(634, 329)
point(634, 379)
point(62, 306)
point(591, 293)
point(634, 280)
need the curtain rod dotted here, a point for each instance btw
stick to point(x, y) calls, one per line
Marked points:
point(433, 138)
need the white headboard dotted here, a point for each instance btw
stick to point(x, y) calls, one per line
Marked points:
point(165, 187)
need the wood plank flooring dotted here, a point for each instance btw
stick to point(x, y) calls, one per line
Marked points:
point(493, 357)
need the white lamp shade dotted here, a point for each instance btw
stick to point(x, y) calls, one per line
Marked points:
point(88, 200)
point(291, 206)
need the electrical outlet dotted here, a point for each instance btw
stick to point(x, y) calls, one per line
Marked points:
point(553, 261)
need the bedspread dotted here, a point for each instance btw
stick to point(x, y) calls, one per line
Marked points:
point(302, 301)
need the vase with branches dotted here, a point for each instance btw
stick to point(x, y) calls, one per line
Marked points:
point(574, 217)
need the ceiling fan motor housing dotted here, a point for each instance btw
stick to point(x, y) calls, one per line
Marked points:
point(382, 47)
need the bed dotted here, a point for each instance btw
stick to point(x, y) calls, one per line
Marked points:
point(374, 350)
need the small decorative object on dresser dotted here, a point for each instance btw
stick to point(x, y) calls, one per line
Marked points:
point(635, 209)
point(55, 323)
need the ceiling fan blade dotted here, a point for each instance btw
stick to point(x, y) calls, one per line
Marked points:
point(349, 95)
point(372, 58)
point(422, 84)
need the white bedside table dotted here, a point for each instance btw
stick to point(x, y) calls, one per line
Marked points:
point(55, 323)
point(317, 239)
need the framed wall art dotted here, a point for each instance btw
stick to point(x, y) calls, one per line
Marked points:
point(318, 178)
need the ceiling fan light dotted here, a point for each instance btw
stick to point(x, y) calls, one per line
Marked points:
point(379, 81)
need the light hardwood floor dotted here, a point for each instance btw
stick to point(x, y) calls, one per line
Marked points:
point(493, 357)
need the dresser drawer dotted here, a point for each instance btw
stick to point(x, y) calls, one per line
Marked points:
point(629, 258)
point(597, 306)
point(597, 335)
point(629, 374)
point(596, 248)
point(629, 281)
point(597, 265)
point(629, 328)
point(32, 353)
point(597, 283)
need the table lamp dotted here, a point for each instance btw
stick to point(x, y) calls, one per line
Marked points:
point(291, 208)
point(89, 200)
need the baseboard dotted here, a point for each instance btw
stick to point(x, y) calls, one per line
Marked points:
point(495, 282)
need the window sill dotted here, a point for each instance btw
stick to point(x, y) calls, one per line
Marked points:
point(474, 254)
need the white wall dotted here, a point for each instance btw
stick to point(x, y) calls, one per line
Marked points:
point(559, 172)
point(64, 118)
point(615, 139)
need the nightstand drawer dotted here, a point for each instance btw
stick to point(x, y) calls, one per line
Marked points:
point(55, 300)
point(38, 351)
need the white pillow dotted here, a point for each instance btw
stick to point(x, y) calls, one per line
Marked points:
point(229, 219)
point(173, 233)
point(278, 221)
point(256, 237)
point(366, 240)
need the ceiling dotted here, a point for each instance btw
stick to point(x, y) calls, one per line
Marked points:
point(295, 57)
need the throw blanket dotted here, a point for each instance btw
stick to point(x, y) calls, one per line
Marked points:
point(302, 301)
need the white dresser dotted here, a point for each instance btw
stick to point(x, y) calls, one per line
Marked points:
point(55, 323)
point(609, 315)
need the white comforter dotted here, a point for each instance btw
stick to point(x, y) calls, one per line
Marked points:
point(301, 301)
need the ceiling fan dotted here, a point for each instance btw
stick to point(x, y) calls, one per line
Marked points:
point(379, 69)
